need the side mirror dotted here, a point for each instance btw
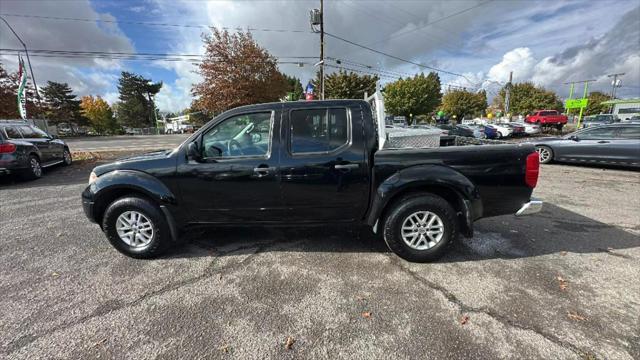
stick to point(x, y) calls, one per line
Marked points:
point(193, 151)
point(574, 138)
point(53, 137)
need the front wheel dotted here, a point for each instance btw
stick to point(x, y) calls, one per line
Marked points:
point(545, 153)
point(420, 228)
point(66, 157)
point(136, 227)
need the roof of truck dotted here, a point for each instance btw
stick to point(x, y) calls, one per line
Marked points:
point(300, 103)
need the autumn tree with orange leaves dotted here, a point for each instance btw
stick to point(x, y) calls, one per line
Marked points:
point(236, 71)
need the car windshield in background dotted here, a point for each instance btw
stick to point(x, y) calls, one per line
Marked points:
point(601, 118)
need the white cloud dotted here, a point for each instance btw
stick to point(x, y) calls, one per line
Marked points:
point(518, 60)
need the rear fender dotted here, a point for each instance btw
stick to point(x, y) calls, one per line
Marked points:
point(430, 178)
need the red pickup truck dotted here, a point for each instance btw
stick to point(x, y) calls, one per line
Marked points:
point(547, 118)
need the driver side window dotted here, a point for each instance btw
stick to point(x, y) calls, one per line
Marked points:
point(242, 135)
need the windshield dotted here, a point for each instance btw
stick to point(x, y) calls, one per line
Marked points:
point(601, 118)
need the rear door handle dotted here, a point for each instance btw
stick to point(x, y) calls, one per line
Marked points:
point(603, 142)
point(263, 171)
point(346, 166)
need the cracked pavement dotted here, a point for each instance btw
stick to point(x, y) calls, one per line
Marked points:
point(560, 284)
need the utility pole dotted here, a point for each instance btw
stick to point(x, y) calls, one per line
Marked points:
point(507, 94)
point(614, 84)
point(322, 47)
point(35, 85)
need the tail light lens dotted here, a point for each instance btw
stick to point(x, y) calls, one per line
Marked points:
point(7, 148)
point(532, 170)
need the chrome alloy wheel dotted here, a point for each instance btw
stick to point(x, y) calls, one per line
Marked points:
point(544, 154)
point(134, 229)
point(422, 230)
point(36, 169)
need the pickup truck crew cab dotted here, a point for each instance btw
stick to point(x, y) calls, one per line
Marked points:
point(305, 163)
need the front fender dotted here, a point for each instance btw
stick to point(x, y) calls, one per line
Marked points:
point(134, 180)
point(426, 177)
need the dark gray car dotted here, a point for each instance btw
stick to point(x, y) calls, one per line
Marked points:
point(26, 150)
point(616, 144)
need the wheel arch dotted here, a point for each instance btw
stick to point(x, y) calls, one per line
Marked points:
point(120, 183)
point(439, 180)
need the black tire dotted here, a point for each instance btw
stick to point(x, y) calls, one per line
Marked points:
point(66, 157)
point(34, 169)
point(547, 159)
point(161, 234)
point(403, 209)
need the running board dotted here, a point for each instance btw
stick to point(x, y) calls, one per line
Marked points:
point(53, 163)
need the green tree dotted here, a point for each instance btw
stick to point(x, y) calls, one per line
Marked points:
point(463, 103)
point(294, 87)
point(345, 85)
point(61, 103)
point(594, 106)
point(527, 98)
point(136, 108)
point(419, 95)
point(236, 71)
point(99, 114)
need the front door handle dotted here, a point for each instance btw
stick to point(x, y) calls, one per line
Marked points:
point(603, 142)
point(346, 166)
point(263, 171)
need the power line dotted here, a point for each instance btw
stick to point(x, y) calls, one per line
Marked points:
point(433, 22)
point(398, 58)
point(152, 23)
point(125, 55)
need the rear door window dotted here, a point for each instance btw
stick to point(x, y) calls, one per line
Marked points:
point(629, 132)
point(28, 132)
point(318, 130)
point(12, 133)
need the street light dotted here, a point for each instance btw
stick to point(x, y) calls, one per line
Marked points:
point(321, 64)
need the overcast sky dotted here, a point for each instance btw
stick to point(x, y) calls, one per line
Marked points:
point(547, 42)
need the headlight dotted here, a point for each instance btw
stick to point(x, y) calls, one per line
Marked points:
point(92, 178)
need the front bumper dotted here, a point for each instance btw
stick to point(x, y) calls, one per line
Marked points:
point(532, 207)
point(4, 171)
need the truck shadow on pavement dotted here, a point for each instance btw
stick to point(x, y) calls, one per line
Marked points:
point(553, 231)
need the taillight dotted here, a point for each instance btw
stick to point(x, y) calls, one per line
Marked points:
point(7, 148)
point(532, 169)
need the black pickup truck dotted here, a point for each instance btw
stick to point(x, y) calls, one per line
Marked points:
point(309, 163)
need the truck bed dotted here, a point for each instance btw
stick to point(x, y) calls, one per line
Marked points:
point(497, 171)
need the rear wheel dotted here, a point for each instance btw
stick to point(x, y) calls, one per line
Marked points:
point(34, 171)
point(545, 153)
point(420, 228)
point(136, 227)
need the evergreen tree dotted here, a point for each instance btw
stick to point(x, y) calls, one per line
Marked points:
point(294, 87)
point(61, 104)
point(136, 108)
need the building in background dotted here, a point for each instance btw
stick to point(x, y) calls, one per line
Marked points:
point(624, 109)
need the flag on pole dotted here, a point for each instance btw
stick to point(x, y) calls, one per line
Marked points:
point(309, 91)
point(22, 100)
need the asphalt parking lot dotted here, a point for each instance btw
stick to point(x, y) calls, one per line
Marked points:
point(560, 284)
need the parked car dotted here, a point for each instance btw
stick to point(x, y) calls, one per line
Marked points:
point(547, 118)
point(497, 131)
point(25, 150)
point(597, 120)
point(615, 144)
point(516, 129)
point(531, 129)
point(632, 120)
point(304, 163)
